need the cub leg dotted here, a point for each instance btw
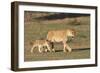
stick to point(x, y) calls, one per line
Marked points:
point(39, 48)
point(32, 48)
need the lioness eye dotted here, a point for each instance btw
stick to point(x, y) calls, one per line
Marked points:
point(73, 32)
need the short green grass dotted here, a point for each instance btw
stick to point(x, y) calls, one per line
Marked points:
point(59, 55)
point(37, 29)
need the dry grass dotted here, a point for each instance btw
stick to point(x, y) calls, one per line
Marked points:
point(37, 29)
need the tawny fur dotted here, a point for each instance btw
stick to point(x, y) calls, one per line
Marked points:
point(40, 44)
point(61, 36)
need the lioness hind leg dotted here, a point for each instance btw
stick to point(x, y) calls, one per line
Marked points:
point(52, 47)
point(53, 50)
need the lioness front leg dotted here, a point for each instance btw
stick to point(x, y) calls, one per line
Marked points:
point(64, 49)
point(52, 45)
point(64, 44)
point(68, 48)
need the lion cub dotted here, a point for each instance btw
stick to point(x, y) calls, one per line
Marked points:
point(40, 44)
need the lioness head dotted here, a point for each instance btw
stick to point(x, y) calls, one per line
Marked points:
point(71, 33)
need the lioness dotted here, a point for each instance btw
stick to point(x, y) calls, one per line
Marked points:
point(61, 36)
point(40, 44)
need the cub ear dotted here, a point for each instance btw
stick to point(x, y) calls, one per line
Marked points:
point(31, 43)
point(47, 40)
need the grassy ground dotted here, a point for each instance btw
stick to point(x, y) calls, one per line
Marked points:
point(38, 24)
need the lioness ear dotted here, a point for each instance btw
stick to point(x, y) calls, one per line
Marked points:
point(75, 32)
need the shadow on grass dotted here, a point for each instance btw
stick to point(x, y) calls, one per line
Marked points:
point(79, 49)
